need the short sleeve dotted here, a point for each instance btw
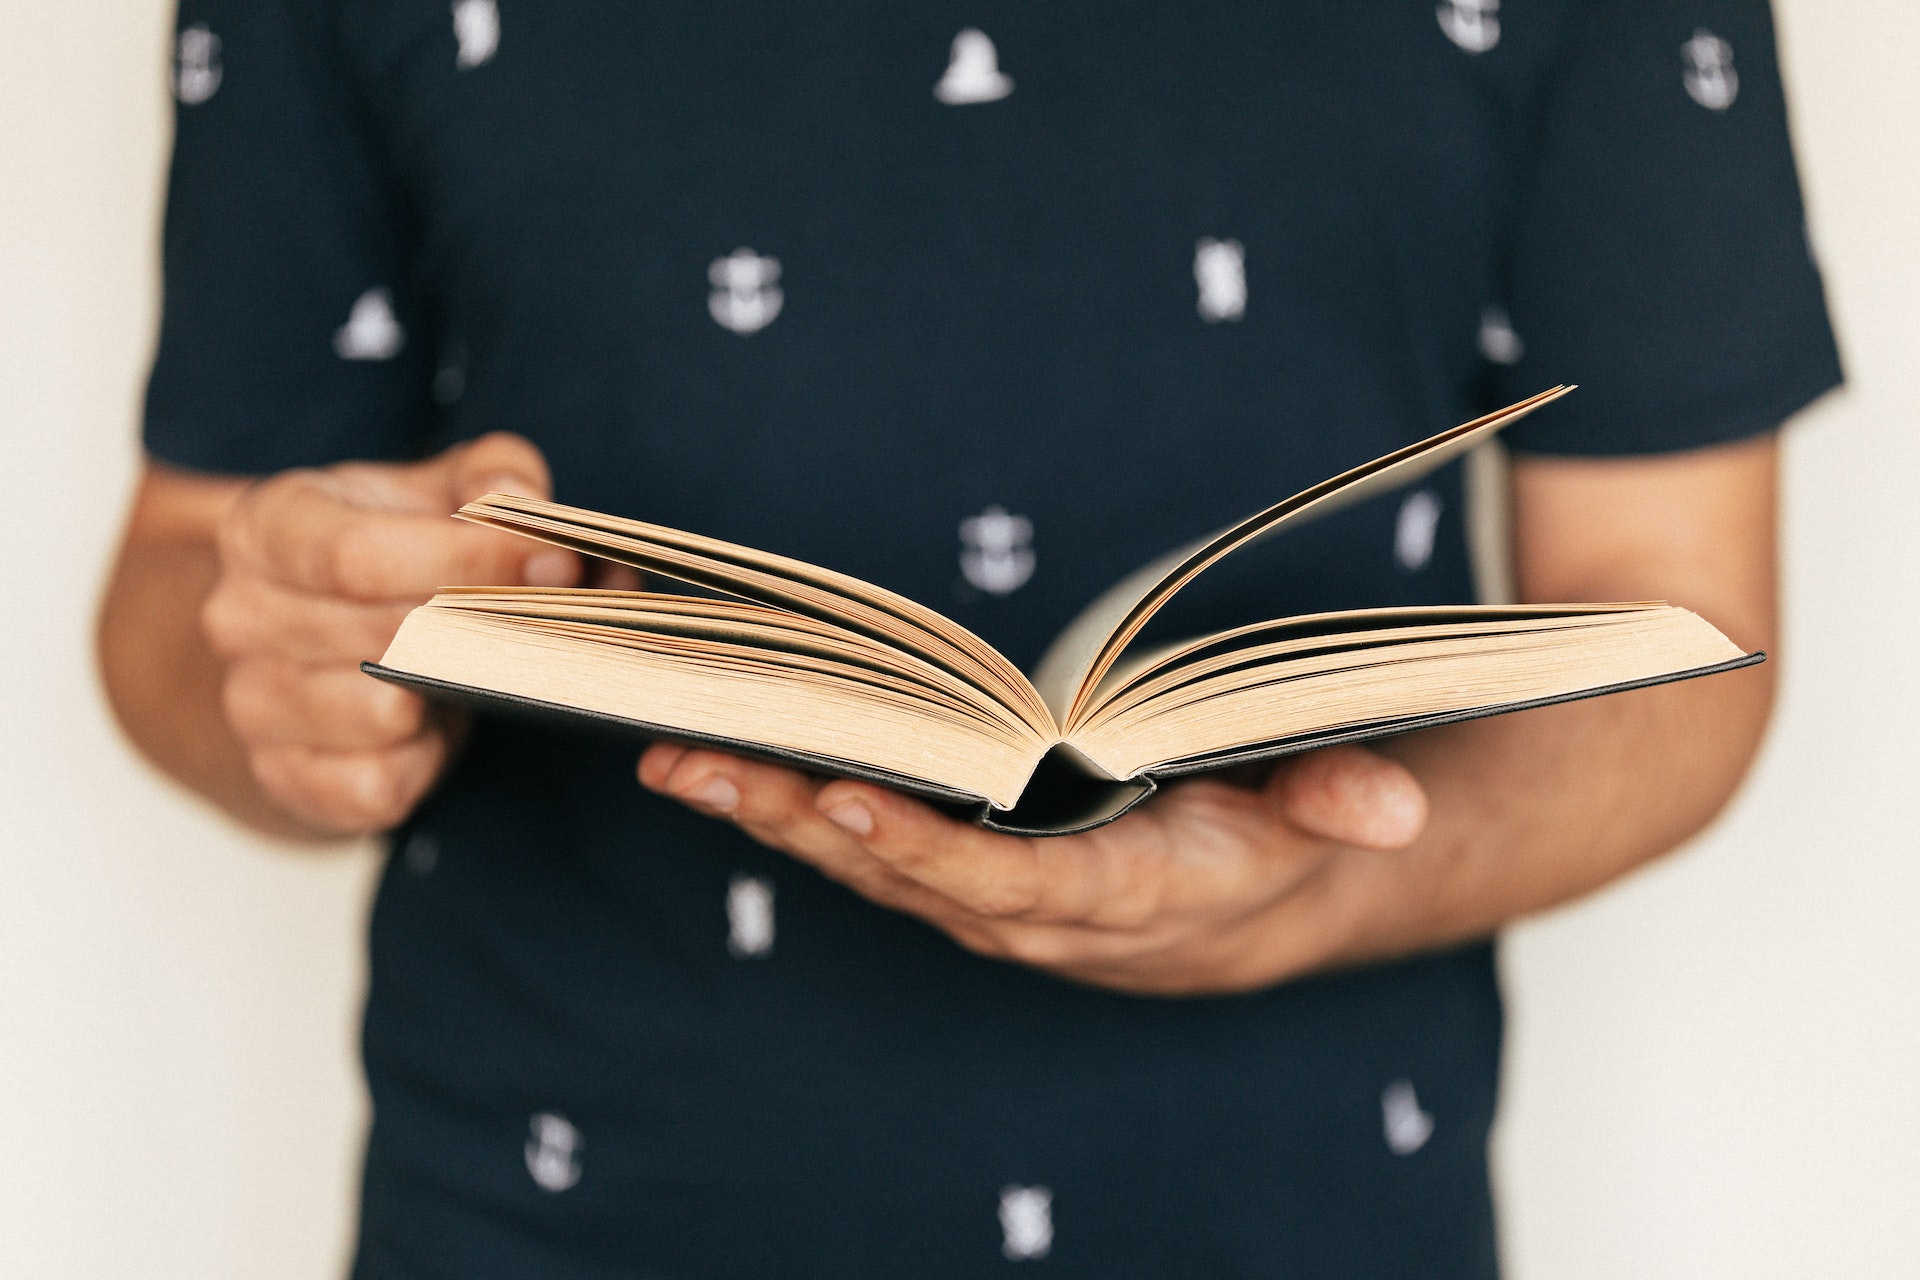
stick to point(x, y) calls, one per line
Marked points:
point(288, 333)
point(1660, 256)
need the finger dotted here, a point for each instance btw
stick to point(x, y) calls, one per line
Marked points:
point(333, 709)
point(657, 762)
point(776, 807)
point(350, 792)
point(783, 809)
point(249, 616)
point(307, 533)
point(499, 462)
point(1101, 880)
point(1203, 851)
point(775, 804)
point(608, 576)
point(1060, 927)
point(990, 875)
point(1353, 796)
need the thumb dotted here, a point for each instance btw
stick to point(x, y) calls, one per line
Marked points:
point(499, 462)
point(1353, 796)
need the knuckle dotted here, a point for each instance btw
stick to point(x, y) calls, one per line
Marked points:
point(759, 812)
point(347, 565)
point(1040, 949)
point(1141, 900)
point(493, 442)
point(283, 775)
point(1014, 894)
point(1003, 899)
point(979, 940)
point(365, 714)
point(237, 537)
point(233, 535)
point(874, 884)
point(772, 812)
point(507, 451)
point(1130, 911)
point(224, 623)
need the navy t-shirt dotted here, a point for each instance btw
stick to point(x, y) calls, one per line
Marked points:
point(987, 303)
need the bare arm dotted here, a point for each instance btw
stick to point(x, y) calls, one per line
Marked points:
point(1534, 809)
point(238, 613)
point(1349, 855)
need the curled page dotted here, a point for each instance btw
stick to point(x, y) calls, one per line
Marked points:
point(1092, 642)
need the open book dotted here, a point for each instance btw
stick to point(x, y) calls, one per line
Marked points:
point(788, 661)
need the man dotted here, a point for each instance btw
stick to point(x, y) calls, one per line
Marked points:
point(840, 284)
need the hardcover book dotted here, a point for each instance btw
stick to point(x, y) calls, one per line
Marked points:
point(782, 660)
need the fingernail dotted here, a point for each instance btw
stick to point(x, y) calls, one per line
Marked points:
point(511, 483)
point(715, 795)
point(656, 764)
point(852, 817)
point(551, 569)
point(1409, 813)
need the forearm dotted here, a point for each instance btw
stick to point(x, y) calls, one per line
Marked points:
point(1531, 810)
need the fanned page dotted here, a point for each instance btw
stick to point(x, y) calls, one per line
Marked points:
point(777, 581)
point(1073, 666)
point(741, 676)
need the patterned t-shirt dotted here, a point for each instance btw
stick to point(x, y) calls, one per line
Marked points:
point(988, 303)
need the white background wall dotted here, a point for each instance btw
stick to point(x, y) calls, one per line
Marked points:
point(1714, 1069)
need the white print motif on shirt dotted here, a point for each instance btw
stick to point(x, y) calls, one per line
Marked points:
point(1498, 342)
point(996, 551)
point(746, 294)
point(1413, 533)
point(1710, 78)
point(449, 384)
point(973, 72)
point(1407, 1127)
point(750, 916)
point(421, 855)
point(553, 1152)
point(1026, 1222)
point(476, 25)
point(371, 332)
point(1471, 24)
point(1220, 269)
point(196, 65)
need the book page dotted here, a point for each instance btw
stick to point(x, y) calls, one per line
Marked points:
point(1137, 672)
point(1239, 702)
point(727, 630)
point(1077, 660)
point(777, 581)
point(817, 708)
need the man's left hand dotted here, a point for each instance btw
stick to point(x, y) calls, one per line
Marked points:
point(1210, 887)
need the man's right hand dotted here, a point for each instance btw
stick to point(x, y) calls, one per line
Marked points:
point(315, 570)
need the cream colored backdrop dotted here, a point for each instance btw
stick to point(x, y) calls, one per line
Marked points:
point(1712, 1068)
